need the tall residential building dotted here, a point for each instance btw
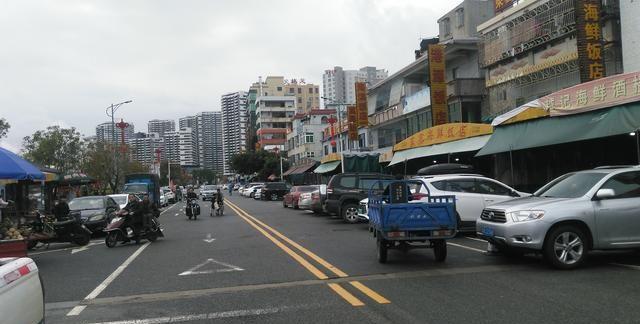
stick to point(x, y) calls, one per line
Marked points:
point(338, 85)
point(187, 147)
point(208, 132)
point(172, 146)
point(143, 149)
point(105, 132)
point(273, 120)
point(161, 126)
point(188, 122)
point(234, 126)
point(630, 25)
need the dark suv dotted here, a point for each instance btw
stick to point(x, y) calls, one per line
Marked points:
point(274, 191)
point(345, 190)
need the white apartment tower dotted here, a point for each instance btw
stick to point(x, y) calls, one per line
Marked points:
point(187, 143)
point(161, 126)
point(209, 135)
point(106, 132)
point(234, 127)
point(338, 85)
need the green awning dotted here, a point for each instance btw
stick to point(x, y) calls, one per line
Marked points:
point(327, 167)
point(557, 130)
point(463, 145)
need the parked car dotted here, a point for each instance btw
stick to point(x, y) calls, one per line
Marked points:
point(257, 193)
point(247, 186)
point(473, 192)
point(313, 200)
point(169, 195)
point(571, 215)
point(236, 187)
point(123, 199)
point(345, 190)
point(291, 199)
point(274, 190)
point(163, 199)
point(207, 191)
point(95, 212)
point(21, 292)
point(251, 192)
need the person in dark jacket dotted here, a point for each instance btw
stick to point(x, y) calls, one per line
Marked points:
point(134, 220)
point(61, 210)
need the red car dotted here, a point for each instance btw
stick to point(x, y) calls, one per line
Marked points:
point(291, 198)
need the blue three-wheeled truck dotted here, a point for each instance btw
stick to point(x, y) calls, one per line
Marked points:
point(403, 217)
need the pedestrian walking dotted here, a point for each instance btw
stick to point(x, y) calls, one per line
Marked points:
point(230, 189)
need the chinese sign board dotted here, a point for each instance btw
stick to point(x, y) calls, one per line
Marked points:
point(602, 93)
point(443, 134)
point(352, 121)
point(439, 108)
point(361, 104)
point(590, 54)
point(502, 5)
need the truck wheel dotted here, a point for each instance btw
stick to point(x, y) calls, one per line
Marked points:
point(566, 247)
point(382, 249)
point(112, 239)
point(350, 213)
point(440, 250)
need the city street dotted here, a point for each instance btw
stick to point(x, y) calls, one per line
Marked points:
point(262, 263)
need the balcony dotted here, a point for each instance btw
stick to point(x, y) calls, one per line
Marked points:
point(465, 88)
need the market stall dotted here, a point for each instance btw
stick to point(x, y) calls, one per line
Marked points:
point(16, 174)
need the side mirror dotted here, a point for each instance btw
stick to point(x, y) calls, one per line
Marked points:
point(605, 193)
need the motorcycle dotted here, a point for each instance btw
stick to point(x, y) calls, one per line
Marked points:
point(119, 231)
point(69, 230)
point(192, 209)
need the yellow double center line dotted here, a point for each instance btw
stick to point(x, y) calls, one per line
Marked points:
point(267, 231)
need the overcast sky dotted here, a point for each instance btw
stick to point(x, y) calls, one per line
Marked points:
point(63, 61)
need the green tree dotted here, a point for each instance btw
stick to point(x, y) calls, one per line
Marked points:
point(4, 127)
point(179, 176)
point(60, 148)
point(204, 175)
point(108, 168)
point(262, 162)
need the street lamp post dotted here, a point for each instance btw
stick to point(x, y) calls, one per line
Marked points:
point(113, 108)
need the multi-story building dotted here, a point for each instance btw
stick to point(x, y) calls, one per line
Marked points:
point(172, 146)
point(234, 126)
point(161, 126)
point(143, 148)
point(106, 132)
point(208, 132)
point(307, 95)
point(530, 50)
point(338, 85)
point(188, 122)
point(304, 139)
point(630, 29)
point(273, 119)
point(187, 147)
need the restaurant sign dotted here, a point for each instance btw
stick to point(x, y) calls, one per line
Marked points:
point(602, 93)
point(439, 98)
point(589, 37)
point(443, 134)
point(361, 104)
point(352, 121)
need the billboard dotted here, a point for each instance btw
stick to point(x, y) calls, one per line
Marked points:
point(439, 108)
point(361, 104)
point(352, 121)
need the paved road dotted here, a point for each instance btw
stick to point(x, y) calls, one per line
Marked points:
point(265, 264)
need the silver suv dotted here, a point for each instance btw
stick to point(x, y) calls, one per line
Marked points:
point(588, 210)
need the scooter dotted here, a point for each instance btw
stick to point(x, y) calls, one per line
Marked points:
point(193, 209)
point(69, 230)
point(118, 231)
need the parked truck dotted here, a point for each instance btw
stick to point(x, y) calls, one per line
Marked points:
point(143, 183)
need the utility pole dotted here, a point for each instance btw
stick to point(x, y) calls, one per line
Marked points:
point(113, 108)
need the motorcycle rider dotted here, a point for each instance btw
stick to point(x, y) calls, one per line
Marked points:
point(134, 219)
point(218, 199)
point(61, 210)
point(148, 210)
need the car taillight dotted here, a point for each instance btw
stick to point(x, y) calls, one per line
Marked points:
point(418, 196)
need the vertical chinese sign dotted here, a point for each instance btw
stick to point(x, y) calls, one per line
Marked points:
point(590, 56)
point(361, 104)
point(352, 121)
point(439, 109)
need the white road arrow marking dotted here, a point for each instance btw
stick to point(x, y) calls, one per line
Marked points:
point(84, 248)
point(227, 268)
point(209, 239)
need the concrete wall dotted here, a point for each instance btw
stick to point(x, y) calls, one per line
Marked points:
point(630, 25)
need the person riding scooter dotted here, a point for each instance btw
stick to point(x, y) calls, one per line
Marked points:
point(217, 202)
point(134, 219)
point(149, 210)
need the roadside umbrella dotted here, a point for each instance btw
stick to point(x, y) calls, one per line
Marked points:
point(13, 167)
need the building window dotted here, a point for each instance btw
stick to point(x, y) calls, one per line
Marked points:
point(311, 154)
point(444, 27)
point(299, 100)
point(299, 90)
point(308, 138)
point(316, 90)
point(310, 90)
point(326, 150)
point(362, 140)
point(292, 90)
point(279, 88)
point(334, 149)
point(460, 17)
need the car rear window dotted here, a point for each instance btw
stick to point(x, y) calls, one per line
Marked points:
point(348, 182)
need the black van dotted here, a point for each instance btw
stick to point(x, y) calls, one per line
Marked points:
point(345, 190)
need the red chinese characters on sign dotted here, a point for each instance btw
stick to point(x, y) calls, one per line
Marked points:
point(361, 104)
point(352, 121)
point(439, 109)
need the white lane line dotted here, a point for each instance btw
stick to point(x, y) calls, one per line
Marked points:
point(101, 287)
point(629, 266)
point(84, 248)
point(200, 317)
point(476, 239)
point(465, 247)
point(227, 268)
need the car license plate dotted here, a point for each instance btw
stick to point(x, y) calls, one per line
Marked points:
point(488, 231)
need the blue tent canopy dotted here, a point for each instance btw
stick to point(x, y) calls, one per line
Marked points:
point(13, 167)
